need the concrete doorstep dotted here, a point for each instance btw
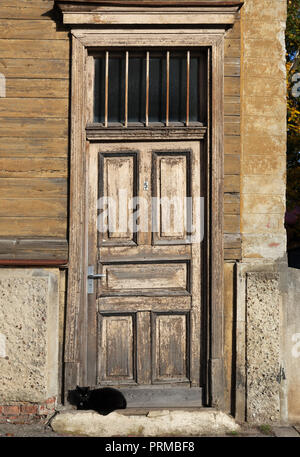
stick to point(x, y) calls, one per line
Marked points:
point(156, 423)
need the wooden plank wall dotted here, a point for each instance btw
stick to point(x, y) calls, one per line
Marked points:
point(232, 144)
point(34, 58)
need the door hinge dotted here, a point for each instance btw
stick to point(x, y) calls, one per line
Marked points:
point(281, 375)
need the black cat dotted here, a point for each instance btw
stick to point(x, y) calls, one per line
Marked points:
point(103, 400)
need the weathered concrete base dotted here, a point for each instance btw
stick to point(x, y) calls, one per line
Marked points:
point(258, 344)
point(263, 347)
point(29, 301)
point(156, 423)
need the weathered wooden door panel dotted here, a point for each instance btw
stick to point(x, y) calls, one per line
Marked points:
point(142, 216)
point(171, 183)
point(116, 341)
point(118, 172)
point(170, 347)
point(135, 278)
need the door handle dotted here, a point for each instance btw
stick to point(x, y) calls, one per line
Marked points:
point(91, 277)
point(96, 276)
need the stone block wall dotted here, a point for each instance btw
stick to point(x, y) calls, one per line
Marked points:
point(263, 347)
point(268, 343)
point(258, 336)
point(29, 315)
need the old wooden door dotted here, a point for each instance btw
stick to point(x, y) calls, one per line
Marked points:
point(144, 241)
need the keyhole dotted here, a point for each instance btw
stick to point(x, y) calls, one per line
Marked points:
point(146, 185)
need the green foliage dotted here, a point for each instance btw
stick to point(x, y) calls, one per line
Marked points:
point(293, 124)
point(232, 433)
point(293, 28)
point(266, 429)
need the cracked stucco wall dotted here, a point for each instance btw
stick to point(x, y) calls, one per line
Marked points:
point(29, 300)
point(263, 347)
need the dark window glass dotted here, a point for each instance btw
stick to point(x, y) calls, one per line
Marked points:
point(194, 89)
point(99, 94)
point(137, 89)
point(157, 89)
point(157, 109)
point(116, 89)
point(178, 88)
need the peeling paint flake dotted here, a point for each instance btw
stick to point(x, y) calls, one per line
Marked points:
point(2, 345)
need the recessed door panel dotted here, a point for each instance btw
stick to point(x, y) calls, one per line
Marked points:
point(118, 187)
point(170, 347)
point(171, 189)
point(116, 343)
point(128, 278)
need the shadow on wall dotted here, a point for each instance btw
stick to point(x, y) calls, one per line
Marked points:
point(292, 225)
point(294, 258)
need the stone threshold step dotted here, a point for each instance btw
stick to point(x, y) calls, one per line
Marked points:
point(154, 422)
point(145, 411)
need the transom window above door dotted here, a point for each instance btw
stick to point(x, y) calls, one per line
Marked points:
point(151, 88)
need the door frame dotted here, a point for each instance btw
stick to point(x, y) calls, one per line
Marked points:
point(75, 344)
point(185, 389)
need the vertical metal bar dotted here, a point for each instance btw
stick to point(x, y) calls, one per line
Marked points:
point(106, 88)
point(126, 88)
point(147, 86)
point(203, 73)
point(168, 89)
point(188, 64)
point(208, 116)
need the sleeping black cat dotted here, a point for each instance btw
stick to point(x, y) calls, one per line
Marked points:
point(104, 400)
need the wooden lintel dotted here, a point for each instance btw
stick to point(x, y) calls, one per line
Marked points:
point(154, 3)
point(145, 12)
point(167, 133)
point(167, 18)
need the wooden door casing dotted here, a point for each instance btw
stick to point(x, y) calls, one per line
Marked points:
point(147, 308)
point(79, 344)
